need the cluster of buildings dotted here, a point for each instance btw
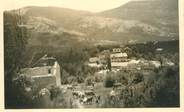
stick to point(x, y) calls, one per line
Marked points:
point(116, 57)
point(101, 60)
point(120, 60)
point(46, 71)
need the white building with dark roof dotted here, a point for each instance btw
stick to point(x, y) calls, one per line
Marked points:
point(118, 57)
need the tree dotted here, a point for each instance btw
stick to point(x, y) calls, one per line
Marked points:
point(109, 62)
point(15, 39)
point(109, 80)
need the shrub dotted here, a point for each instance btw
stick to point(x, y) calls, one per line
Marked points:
point(137, 77)
point(23, 90)
point(98, 78)
point(109, 81)
point(54, 92)
point(71, 79)
point(89, 80)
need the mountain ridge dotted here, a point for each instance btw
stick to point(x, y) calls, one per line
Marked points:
point(150, 20)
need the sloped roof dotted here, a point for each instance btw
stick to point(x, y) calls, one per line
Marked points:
point(93, 59)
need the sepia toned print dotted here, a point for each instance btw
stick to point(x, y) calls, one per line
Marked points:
point(124, 57)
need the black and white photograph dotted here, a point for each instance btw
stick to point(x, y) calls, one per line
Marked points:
point(76, 54)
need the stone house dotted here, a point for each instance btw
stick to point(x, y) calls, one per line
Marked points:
point(45, 73)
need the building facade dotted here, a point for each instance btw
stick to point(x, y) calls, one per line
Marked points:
point(45, 73)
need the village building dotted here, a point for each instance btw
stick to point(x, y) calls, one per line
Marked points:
point(130, 65)
point(168, 63)
point(157, 64)
point(103, 56)
point(136, 65)
point(159, 49)
point(148, 65)
point(45, 72)
point(118, 65)
point(118, 57)
point(116, 50)
point(95, 62)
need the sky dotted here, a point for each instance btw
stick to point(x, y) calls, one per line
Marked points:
point(88, 5)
